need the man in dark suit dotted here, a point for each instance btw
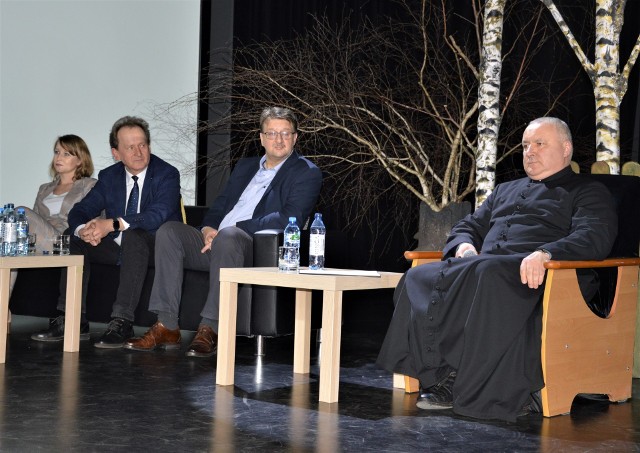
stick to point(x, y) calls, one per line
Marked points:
point(137, 194)
point(261, 193)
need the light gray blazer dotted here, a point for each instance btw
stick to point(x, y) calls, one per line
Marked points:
point(78, 191)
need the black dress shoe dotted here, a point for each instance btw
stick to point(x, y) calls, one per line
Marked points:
point(55, 332)
point(118, 331)
point(439, 396)
point(532, 406)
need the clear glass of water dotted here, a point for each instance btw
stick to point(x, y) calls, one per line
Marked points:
point(288, 259)
point(61, 244)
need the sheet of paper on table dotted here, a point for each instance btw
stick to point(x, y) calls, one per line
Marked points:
point(350, 272)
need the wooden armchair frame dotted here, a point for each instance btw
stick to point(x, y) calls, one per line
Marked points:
point(581, 352)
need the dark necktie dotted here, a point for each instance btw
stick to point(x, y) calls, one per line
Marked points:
point(132, 204)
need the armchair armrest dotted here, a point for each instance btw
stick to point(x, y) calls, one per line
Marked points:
point(265, 247)
point(269, 232)
point(553, 264)
point(609, 262)
point(423, 255)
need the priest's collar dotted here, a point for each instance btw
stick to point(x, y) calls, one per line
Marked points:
point(559, 175)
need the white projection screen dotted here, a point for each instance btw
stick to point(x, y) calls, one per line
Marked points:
point(75, 66)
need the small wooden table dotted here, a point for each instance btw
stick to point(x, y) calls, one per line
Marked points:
point(332, 287)
point(74, 264)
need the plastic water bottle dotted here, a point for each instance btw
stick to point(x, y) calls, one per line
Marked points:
point(1, 231)
point(292, 234)
point(10, 231)
point(22, 233)
point(289, 254)
point(316, 243)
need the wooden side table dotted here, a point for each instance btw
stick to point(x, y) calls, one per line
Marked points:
point(74, 264)
point(332, 287)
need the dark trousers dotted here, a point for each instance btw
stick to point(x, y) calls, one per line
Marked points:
point(178, 248)
point(134, 255)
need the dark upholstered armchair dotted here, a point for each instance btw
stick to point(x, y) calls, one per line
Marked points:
point(589, 313)
point(263, 311)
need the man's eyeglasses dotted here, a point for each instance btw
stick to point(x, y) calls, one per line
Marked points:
point(284, 135)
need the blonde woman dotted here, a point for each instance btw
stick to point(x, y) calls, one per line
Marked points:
point(71, 169)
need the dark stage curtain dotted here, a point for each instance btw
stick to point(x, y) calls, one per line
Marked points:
point(256, 20)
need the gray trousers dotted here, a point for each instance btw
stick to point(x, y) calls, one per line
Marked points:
point(178, 248)
point(45, 231)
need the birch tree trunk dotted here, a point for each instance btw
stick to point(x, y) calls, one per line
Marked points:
point(489, 117)
point(609, 84)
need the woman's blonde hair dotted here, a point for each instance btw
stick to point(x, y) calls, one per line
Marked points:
point(75, 146)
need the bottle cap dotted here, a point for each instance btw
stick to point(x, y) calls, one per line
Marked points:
point(292, 219)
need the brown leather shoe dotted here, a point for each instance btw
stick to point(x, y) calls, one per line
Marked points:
point(204, 344)
point(157, 337)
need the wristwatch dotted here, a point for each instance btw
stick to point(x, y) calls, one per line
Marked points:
point(116, 225)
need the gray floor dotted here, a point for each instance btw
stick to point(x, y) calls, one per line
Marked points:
point(118, 400)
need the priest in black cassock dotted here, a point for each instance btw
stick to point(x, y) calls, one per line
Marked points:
point(468, 327)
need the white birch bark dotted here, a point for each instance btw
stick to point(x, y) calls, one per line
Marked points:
point(609, 84)
point(489, 117)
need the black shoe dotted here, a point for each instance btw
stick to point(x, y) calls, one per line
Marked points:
point(439, 396)
point(532, 406)
point(118, 331)
point(55, 332)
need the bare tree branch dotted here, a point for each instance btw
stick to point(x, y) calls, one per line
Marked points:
point(388, 109)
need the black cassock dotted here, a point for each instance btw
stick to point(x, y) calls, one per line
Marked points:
point(474, 315)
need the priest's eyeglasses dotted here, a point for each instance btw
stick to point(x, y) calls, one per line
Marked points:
point(284, 135)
